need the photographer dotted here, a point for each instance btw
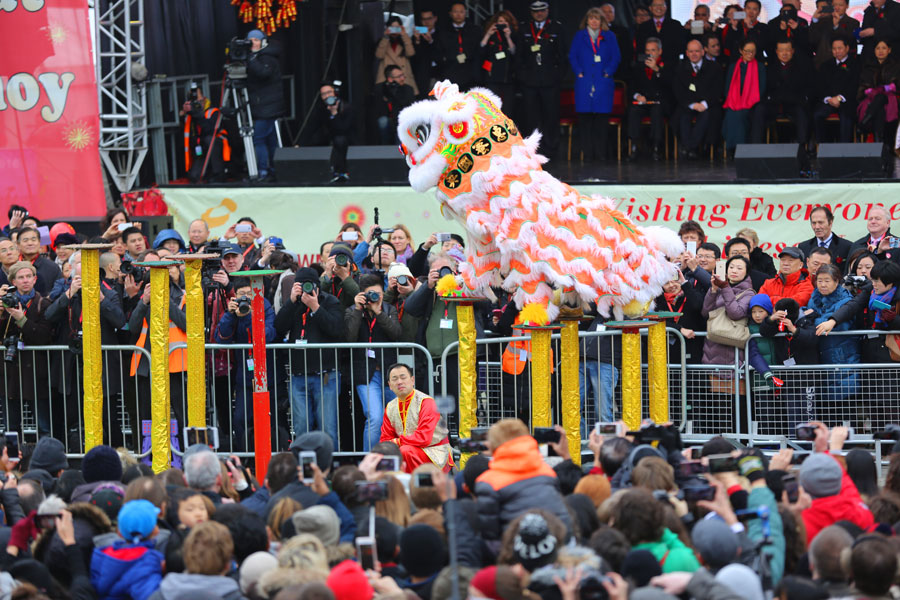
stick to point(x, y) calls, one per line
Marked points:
point(312, 316)
point(47, 271)
point(391, 96)
point(235, 327)
point(332, 123)
point(266, 100)
point(65, 314)
point(371, 320)
point(205, 140)
point(401, 284)
point(247, 235)
point(22, 321)
point(339, 278)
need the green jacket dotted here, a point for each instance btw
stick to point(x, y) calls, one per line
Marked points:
point(671, 553)
point(763, 496)
point(344, 290)
point(765, 345)
point(408, 323)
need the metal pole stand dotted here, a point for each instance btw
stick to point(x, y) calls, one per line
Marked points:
point(262, 417)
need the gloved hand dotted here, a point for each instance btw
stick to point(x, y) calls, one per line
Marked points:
point(773, 382)
point(888, 315)
point(890, 88)
point(23, 532)
point(751, 466)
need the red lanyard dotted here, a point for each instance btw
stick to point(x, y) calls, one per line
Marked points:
point(446, 308)
point(459, 40)
point(303, 327)
point(400, 311)
point(371, 328)
point(499, 40)
point(677, 310)
point(247, 251)
point(596, 47)
point(540, 32)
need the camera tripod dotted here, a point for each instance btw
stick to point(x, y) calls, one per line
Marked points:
point(236, 93)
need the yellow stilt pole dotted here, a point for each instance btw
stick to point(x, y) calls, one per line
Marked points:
point(195, 306)
point(91, 349)
point(658, 372)
point(631, 370)
point(540, 377)
point(571, 397)
point(468, 376)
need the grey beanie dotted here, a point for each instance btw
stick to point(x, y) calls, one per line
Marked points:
point(319, 520)
point(821, 476)
point(716, 542)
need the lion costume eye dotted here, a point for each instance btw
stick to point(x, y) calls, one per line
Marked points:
point(422, 133)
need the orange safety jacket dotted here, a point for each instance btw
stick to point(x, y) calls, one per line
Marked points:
point(516, 355)
point(177, 358)
point(222, 135)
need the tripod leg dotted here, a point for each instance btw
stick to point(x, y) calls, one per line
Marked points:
point(245, 127)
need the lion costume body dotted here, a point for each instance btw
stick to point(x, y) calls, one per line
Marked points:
point(528, 232)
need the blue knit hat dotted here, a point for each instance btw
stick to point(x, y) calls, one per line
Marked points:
point(763, 301)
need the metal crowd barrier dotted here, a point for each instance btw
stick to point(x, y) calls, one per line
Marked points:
point(42, 392)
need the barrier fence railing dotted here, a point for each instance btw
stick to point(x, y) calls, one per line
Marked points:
point(42, 391)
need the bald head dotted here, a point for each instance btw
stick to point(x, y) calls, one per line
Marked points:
point(694, 51)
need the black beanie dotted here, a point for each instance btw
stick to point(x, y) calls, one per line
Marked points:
point(101, 463)
point(640, 566)
point(422, 551)
point(306, 274)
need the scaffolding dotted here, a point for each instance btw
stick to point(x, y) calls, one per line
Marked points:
point(119, 58)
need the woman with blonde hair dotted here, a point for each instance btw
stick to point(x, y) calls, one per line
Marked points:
point(402, 241)
point(394, 508)
point(594, 56)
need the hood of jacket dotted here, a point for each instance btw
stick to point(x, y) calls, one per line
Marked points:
point(184, 584)
point(514, 461)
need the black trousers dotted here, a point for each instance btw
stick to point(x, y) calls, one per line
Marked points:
point(847, 113)
point(798, 113)
point(339, 146)
point(593, 131)
point(693, 127)
point(876, 112)
point(636, 113)
point(542, 113)
point(215, 169)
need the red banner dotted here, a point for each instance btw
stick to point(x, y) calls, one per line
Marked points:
point(49, 124)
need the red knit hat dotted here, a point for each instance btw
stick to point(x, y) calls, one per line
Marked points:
point(349, 582)
point(485, 581)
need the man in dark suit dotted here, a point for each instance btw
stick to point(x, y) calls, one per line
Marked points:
point(669, 31)
point(836, 92)
point(788, 25)
point(826, 25)
point(459, 46)
point(703, 24)
point(425, 60)
point(623, 40)
point(697, 86)
point(821, 219)
point(881, 21)
point(787, 82)
point(650, 97)
point(542, 60)
point(712, 55)
point(752, 29)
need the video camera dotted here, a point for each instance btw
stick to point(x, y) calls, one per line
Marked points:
point(194, 99)
point(238, 53)
point(475, 441)
point(211, 266)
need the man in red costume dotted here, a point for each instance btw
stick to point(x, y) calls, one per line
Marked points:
point(413, 422)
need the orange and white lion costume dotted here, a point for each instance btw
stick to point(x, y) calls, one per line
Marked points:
point(528, 232)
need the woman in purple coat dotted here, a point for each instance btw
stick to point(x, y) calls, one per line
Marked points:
point(594, 56)
point(734, 293)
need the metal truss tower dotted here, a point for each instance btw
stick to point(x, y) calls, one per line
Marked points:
point(118, 50)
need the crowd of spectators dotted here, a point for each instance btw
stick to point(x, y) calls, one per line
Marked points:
point(717, 77)
point(372, 290)
point(635, 521)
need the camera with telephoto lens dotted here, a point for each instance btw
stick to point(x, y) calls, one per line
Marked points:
point(243, 305)
point(372, 297)
point(194, 99)
point(445, 271)
point(341, 260)
point(391, 88)
point(12, 348)
point(402, 280)
point(590, 586)
point(76, 343)
point(9, 300)
point(138, 273)
point(308, 287)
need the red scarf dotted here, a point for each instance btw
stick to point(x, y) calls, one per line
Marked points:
point(650, 72)
point(739, 99)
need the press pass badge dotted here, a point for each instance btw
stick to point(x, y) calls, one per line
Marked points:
point(523, 355)
point(596, 58)
point(198, 149)
point(692, 87)
point(249, 364)
point(500, 55)
point(536, 48)
point(460, 58)
point(370, 353)
point(790, 362)
point(446, 323)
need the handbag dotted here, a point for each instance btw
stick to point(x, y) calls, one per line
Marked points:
point(893, 345)
point(722, 329)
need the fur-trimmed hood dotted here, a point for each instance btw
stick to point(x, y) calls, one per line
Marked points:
point(88, 521)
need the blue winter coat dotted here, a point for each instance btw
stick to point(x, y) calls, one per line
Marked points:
point(126, 570)
point(836, 349)
point(594, 84)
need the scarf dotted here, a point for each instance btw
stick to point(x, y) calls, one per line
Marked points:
point(594, 33)
point(671, 298)
point(825, 306)
point(886, 297)
point(23, 300)
point(742, 99)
